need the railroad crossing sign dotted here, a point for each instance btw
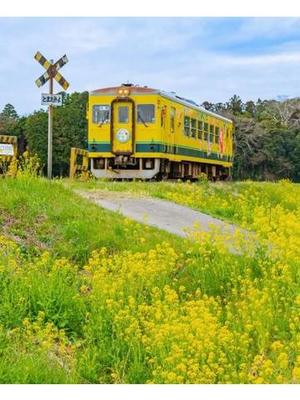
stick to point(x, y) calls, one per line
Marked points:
point(50, 99)
point(51, 70)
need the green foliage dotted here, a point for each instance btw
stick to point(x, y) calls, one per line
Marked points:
point(9, 112)
point(36, 127)
point(44, 316)
point(10, 124)
point(250, 108)
point(208, 106)
point(235, 105)
point(266, 139)
point(266, 149)
point(28, 165)
point(69, 130)
point(71, 227)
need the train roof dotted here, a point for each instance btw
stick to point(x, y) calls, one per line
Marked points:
point(136, 90)
point(192, 104)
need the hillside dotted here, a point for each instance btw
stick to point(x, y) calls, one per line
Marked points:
point(88, 296)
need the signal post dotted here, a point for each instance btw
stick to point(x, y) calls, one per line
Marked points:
point(51, 99)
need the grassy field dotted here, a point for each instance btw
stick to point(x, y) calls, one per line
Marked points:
point(87, 296)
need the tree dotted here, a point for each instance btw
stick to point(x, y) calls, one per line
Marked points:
point(235, 105)
point(9, 112)
point(36, 134)
point(246, 144)
point(8, 120)
point(207, 105)
point(69, 130)
point(250, 108)
point(294, 152)
point(219, 107)
point(285, 112)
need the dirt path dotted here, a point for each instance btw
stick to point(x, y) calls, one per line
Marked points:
point(162, 214)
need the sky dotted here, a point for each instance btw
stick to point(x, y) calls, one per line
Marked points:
point(204, 59)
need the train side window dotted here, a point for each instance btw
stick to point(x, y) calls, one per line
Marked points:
point(211, 133)
point(123, 114)
point(145, 113)
point(200, 130)
point(101, 114)
point(187, 125)
point(172, 119)
point(205, 131)
point(217, 134)
point(193, 127)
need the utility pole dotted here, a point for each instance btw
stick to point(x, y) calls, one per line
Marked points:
point(50, 127)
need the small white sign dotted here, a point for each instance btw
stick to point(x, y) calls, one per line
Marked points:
point(6, 149)
point(51, 99)
point(123, 135)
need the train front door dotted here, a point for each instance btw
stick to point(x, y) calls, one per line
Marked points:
point(122, 134)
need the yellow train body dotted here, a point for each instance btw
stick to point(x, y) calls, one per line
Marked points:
point(138, 132)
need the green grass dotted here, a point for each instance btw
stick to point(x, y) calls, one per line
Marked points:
point(87, 296)
point(42, 215)
point(49, 222)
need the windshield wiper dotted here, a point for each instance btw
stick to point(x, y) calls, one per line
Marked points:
point(140, 117)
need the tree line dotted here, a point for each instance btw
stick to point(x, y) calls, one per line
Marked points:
point(266, 139)
point(69, 130)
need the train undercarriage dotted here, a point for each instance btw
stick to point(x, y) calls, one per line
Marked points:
point(126, 167)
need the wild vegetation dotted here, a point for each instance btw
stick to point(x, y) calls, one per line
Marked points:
point(267, 134)
point(69, 130)
point(87, 296)
point(267, 137)
point(238, 202)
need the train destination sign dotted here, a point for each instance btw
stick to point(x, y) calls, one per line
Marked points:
point(51, 99)
point(6, 149)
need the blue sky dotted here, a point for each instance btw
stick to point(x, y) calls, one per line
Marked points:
point(199, 58)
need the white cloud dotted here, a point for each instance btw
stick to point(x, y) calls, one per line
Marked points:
point(261, 60)
point(191, 56)
point(260, 28)
point(253, 28)
point(84, 36)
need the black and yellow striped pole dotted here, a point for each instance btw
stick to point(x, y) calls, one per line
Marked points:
point(50, 74)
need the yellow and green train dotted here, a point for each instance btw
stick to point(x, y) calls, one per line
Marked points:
point(139, 132)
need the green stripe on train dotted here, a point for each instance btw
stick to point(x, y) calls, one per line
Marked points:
point(157, 147)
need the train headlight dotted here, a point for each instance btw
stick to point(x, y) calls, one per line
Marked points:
point(123, 92)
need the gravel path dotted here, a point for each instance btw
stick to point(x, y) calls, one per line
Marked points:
point(162, 214)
